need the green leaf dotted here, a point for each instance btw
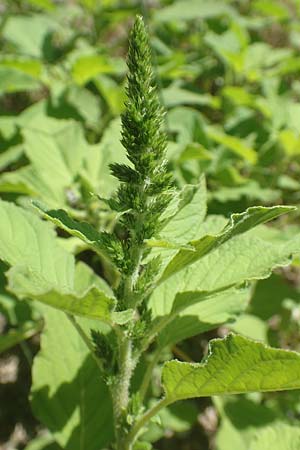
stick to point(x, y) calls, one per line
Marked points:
point(241, 418)
point(238, 224)
point(192, 313)
point(234, 365)
point(94, 303)
point(15, 336)
point(26, 241)
point(87, 67)
point(28, 33)
point(67, 388)
point(248, 256)
point(236, 145)
point(175, 95)
point(27, 66)
point(43, 443)
point(60, 218)
point(10, 156)
point(185, 214)
point(96, 171)
point(191, 10)
point(51, 174)
point(12, 80)
point(43, 270)
point(277, 437)
point(250, 326)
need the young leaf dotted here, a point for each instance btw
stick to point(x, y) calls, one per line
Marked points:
point(234, 365)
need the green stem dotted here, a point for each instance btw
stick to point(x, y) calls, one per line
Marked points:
point(121, 385)
point(143, 421)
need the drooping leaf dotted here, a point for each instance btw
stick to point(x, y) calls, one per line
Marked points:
point(93, 303)
point(234, 365)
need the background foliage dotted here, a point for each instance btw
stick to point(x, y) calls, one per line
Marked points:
point(229, 79)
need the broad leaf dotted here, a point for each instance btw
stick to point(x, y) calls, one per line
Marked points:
point(196, 312)
point(28, 242)
point(185, 214)
point(234, 365)
point(89, 66)
point(96, 171)
point(236, 145)
point(28, 33)
point(239, 223)
point(93, 303)
point(68, 395)
point(43, 270)
point(12, 80)
point(277, 437)
point(241, 417)
point(191, 10)
point(244, 258)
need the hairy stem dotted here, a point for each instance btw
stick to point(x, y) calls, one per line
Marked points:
point(120, 388)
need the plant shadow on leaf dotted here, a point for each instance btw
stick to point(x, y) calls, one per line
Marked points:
point(76, 400)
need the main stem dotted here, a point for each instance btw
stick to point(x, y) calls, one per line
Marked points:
point(143, 195)
point(127, 362)
point(120, 388)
